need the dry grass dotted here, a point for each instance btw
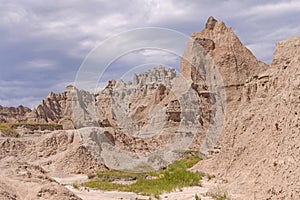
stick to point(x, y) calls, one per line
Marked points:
point(8, 129)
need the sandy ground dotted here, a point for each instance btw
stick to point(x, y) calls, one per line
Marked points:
point(188, 193)
point(68, 179)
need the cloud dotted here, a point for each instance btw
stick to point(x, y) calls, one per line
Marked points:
point(15, 93)
point(44, 42)
point(28, 101)
point(40, 64)
point(264, 49)
point(118, 55)
point(273, 9)
point(136, 61)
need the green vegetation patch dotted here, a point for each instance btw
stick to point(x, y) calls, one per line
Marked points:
point(219, 195)
point(223, 196)
point(175, 176)
point(8, 129)
point(37, 126)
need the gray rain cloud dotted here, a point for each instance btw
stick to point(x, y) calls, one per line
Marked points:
point(43, 43)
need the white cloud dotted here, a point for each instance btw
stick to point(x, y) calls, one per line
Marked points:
point(41, 64)
point(12, 14)
point(165, 10)
point(18, 88)
point(272, 9)
point(47, 35)
point(29, 101)
point(263, 49)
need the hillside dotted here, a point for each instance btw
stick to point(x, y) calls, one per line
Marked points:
point(241, 114)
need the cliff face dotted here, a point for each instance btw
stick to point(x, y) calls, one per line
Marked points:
point(11, 114)
point(260, 139)
point(57, 108)
point(258, 149)
point(127, 105)
point(233, 60)
point(49, 110)
point(76, 108)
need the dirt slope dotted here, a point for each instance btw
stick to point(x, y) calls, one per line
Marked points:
point(260, 140)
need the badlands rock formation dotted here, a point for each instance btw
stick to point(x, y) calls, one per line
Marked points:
point(61, 108)
point(25, 181)
point(233, 60)
point(27, 163)
point(142, 116)
point(260, 140)
point(238, 109)
point(11, 114)
point(127, 105)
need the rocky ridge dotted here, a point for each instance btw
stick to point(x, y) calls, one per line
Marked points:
point(11, 114)
point(25, 181)
point(257, 151)
point(259, 139)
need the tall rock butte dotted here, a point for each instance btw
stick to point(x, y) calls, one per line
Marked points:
point(259, 144)
point(234, 61)
point(258, 149)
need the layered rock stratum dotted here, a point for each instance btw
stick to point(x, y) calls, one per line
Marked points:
point(254, 144)
point(11, 114)
point(260, 140)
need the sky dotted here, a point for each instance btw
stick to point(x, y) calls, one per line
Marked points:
point(44, 44)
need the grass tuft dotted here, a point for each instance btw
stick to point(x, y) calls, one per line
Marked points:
point(175, 176)
point(7, 130)
point(75, 186)
point(220, 196)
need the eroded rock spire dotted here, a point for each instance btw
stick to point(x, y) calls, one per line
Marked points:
point(210, 24)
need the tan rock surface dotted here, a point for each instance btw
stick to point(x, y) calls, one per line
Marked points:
point(260, 140)
point(234, 61)
point(58, 151)
point(21, 181)
point(257, 153)
point(26, 161)
point(11, 114)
